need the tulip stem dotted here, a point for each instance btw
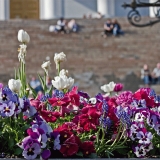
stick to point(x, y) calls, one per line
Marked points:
point(58, 68)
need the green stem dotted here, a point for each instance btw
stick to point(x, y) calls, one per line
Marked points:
point(45, 85)
point(58, 68)
point(117, 136)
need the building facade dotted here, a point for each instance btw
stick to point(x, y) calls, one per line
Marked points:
point(52, 9)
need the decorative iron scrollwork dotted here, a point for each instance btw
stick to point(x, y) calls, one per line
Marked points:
point(134, 16)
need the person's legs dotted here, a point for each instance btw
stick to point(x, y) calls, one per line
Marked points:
point(146, 79)
point(75, 28)
point(115, 31)
point(63, 29)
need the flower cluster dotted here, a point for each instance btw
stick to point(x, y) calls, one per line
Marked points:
point(66, 122)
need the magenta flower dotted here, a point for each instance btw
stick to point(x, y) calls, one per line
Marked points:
point(118, 87)
point(125, 98)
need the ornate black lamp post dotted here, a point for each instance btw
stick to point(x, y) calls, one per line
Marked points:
point(134, 16)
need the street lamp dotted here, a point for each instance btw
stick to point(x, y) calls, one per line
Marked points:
point(134, 16)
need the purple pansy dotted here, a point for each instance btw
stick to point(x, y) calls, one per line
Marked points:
point(139, 104)
point(83, 94)
point(152, 120)
point(157, 128)
point(31, 151)
point(43, 124)
point(144, 137)
point(7, 110)
point(57, 145)
point(7, 95)
point(45, 154)
point(30, 111)
point(140, 151)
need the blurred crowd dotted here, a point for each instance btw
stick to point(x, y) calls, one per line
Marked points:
point(63, 26)
point(150, 77)
point(110, 27)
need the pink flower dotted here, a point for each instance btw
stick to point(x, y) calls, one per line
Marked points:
point(125, 98)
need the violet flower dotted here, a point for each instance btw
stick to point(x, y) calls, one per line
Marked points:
point(8, 95)
point(57, 145)
point(30, 111)
point(31, 151)
point(144, 137)
point(45, 154)
point(7, 110)
point(157, 128)
point(140, 151)
point(152, 120)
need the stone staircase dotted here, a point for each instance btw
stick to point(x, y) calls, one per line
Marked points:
point(114, 58)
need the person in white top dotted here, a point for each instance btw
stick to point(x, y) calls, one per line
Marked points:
point(72, 25)
point(60, 27)
point(156, 74)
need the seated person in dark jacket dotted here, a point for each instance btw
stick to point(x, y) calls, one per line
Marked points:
point(108, 27)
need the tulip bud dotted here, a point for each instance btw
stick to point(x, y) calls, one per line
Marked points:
point(59, 57)
point(46, 66)
point(23, 36)
point(14, 85)
point(118, 87)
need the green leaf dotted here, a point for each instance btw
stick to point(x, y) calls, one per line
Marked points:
point(93, 155)
point(80, 154)
point(25, 127)
point(18, 151)
point(11, 142)
point(33, 91)
point(122, 151)
point(50, 91)
point(42, 81)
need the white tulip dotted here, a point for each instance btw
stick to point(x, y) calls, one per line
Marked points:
point(14, 85)
point(59, 57)
point(108, 87)
point(63, 72)
point(62, 82)
point(23, 36)
point(46, 66)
